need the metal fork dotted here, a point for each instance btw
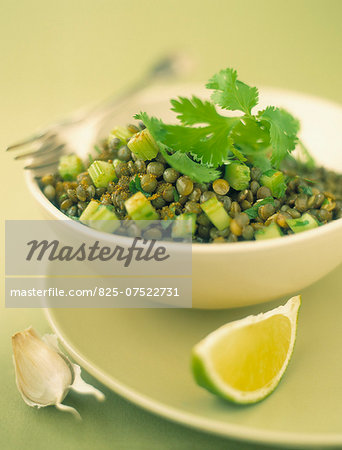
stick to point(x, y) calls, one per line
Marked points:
point(72, 133)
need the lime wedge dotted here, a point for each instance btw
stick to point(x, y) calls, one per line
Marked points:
point(243, 361)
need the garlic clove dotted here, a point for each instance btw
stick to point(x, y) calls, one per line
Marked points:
point(44, 375)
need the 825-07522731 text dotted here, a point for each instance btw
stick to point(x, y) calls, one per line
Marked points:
point(100, 291)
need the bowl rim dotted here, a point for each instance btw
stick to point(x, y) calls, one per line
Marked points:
point(205, 248)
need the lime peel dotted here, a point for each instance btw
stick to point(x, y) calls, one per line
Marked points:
point(250, 352)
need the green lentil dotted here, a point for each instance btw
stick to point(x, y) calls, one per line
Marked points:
point(66, 204)
point(192, 207)
point(158, 202)
point(328, 204)
point(226, 201)
point(255, 173)
point(49, 192)
point(124, 153)
point(235, 228)
point(294, 213)
point(265, 211)
point(48, 179)
point(301, 203)
point(140, 166)
point(263, 192)
point(235, 209)
point(245, 204)
point(221, 186)
point(206, 196)
point(248, 232)
point(72, 195)
point(254, 186)
point(324, 215)
point(203, 219)
point(282, 219)
point(155, 168)
point(203, 231)
point(201, 186)
point(170, 175)
point(168, 193)
point(242, 219)
point(91, 191)
point(195, 195)
point(184, 185)
point(148, 183)
point(114, 144)
point(72, 211)
point(152, 233)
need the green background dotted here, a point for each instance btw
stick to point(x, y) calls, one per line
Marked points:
point(60, 55)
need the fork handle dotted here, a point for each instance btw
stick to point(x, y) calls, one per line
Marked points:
point(167, 67)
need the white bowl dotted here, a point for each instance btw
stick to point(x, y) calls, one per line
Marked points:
point(245, 273)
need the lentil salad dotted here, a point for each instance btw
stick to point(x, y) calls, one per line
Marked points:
point(252, 188)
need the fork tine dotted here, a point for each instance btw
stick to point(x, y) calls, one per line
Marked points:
point(50, 163)
point(29, 140)
point(45, 148)
point(41, 166)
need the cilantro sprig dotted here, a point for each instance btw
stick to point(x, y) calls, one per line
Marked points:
point(205, 138)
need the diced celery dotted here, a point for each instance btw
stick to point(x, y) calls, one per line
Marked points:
point(101, 173)
point(275, 181)
point(238, 176)
point(304, 223)
point(89, 211)
point(100, 217)
point(70, 166)
point(216, 213)
point(143, 145)
point(184, 225)
point(104, 219)
point(121, 133)
point(139, 208)
point(270, 232)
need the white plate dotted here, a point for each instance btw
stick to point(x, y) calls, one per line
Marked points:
point(144, 356)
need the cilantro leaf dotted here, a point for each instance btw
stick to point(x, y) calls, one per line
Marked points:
point(251, 136)
point(260, 160)
point(209, 145)
point(195, 111)
point(232, 94)
point(182, 163)
point(283, 132)
point(303, 188)
point(252, 212)
point(155, 126)
point(132, 187)
point(205, 136)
